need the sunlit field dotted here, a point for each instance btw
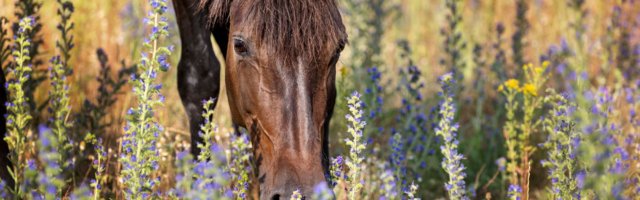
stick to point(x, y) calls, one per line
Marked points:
point(437, 99)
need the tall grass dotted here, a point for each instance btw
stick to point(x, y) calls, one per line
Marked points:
point(564, 126)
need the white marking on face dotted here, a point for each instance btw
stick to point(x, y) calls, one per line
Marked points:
point(303, 109)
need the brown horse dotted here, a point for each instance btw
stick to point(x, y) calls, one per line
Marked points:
point(280, 78)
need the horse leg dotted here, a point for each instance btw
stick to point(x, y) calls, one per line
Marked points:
point(198, 70)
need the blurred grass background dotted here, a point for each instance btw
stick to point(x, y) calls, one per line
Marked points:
point(115, 26)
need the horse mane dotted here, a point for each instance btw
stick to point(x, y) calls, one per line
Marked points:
point(290, 28)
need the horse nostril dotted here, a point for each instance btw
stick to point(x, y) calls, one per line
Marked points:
point(275, 197)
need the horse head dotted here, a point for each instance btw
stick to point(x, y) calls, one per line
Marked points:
point(280, 78)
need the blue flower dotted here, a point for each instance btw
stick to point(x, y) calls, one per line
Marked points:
point(501, 163)
point(141, 135)
point(514, 192)
point(451, 161)
point(561, 145)
point(335, 170)
point(18, 117)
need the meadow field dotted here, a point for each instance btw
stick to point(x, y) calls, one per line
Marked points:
point(463, 99)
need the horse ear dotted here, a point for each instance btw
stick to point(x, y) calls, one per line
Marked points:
point(217, 11)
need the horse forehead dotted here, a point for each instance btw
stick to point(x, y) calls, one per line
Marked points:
point(250, 19)
point(239, 17)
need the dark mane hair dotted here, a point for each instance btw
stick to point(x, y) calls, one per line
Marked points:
point(290, 28)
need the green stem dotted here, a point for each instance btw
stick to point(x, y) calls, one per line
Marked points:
point(145, 106)
point(95, 193)
point(20, 123)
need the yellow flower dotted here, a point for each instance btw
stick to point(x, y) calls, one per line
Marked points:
point(344, 71)
point(500, 88)
point(529, 89)
point(537, 69)
point(545, 64)
point(512, 83)
point(524, 67)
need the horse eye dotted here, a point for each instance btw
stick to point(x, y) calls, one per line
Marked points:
point(239, 46)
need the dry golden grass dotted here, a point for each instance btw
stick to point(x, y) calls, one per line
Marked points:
point(113, 25)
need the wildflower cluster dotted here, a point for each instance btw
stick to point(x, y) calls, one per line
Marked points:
point(59, 109)
point(501, 163)
point(414, 121)
point(514, 192)
point(81, 193)
point(208, 130)
point(30, 174)
point(3, 190)
point(335, 170)
point(322, 192)
point(562, 146)
point(202, 179)
point(18, 112)
point(50, 180)
point(98, 163)
point(30, 9)
point(140, 157)
point(451, 162)
point(411, 192)
point(296, 195)
point(633, 97)
point(388, 185)
point(373, 100)
point(604, 176)
point(512, 87)
point(207, 177)
point(240, 155)
point(239, 150)
point(397, 159)
point(355, 129)
point(592, 143)
point(517, 133)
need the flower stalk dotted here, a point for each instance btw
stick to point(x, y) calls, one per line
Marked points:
point(18, 117)
point(355, 129)
point(59, 109)
point(140, 157)
point(452, 159)
point(98, 163)
point(562, 146)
